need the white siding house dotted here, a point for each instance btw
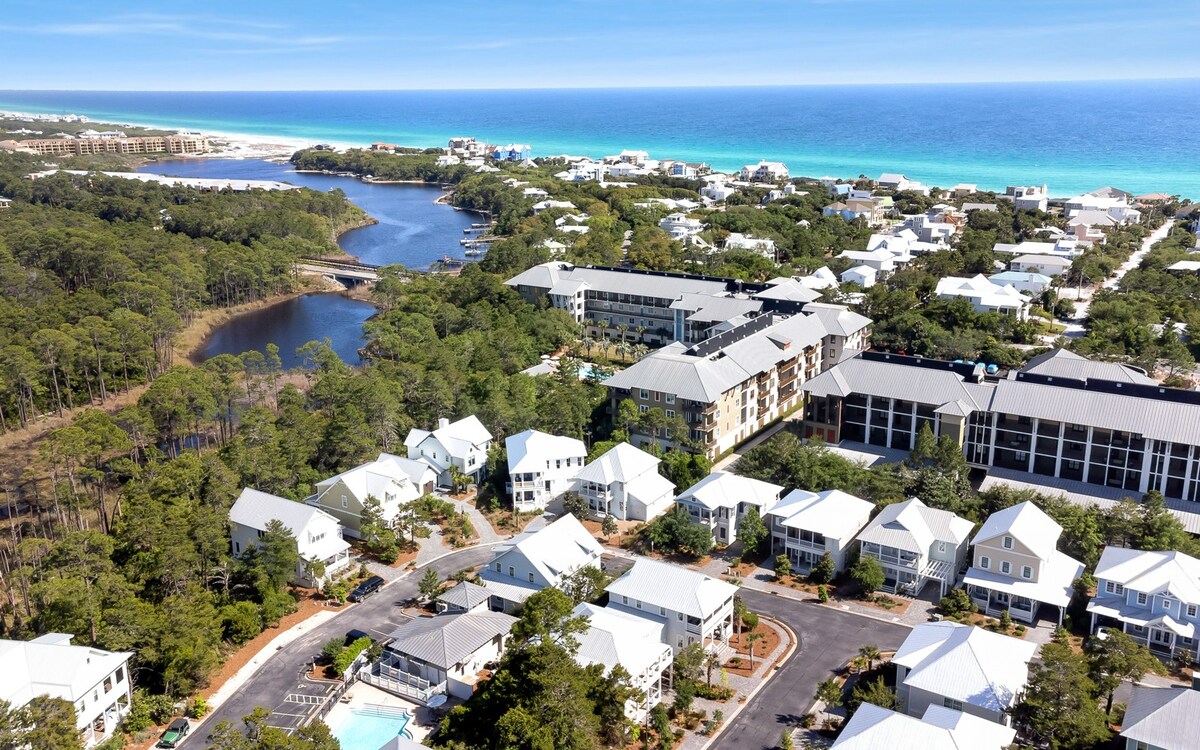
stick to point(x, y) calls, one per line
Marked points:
point(441, 655)
point(875, 728)
point(541, 467)
point(463, 445)
point(806, 525)
point(636, 644)
point(94, 681)
point(721, 500)
point(691, 607)
point(317, 534)
point(625, 483)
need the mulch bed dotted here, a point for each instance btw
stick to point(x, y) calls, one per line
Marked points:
point(762, 649)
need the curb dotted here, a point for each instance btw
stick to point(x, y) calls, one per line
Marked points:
point(794, 646)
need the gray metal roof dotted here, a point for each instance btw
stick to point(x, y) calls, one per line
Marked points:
point(838, 319)
point(547, 275)
point(448, 639)
point(1160, 420)
point(895, 380)
point(466, 595)
point(1167, 718)
point(1061, 363)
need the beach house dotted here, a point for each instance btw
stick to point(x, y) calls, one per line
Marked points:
point(1017, 567)
point(461, 446)
point(1027, 197)
point(961, 667)
point(634, 643)
point(317, 534)
point(940, 728)
point(1162, 718)
point(441, 655)
point(917, 545)
point(807, 525)
point(391, 480)
point(765, 171)
point(95, 682)
point(1050, 265)
point(541, 467)
point(721, 500)
point(624, 483)
point(862, 275)
point(985, 296)
point(542, 559)
point(1152, 596)
point(690, 606)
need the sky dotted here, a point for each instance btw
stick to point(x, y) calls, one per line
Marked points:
point(471, 44)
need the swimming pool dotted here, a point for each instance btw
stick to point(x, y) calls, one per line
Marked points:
point(369, 727)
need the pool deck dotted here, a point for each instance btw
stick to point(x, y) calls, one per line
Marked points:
point(362, 694)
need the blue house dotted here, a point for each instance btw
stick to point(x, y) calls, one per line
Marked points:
point(512, 152)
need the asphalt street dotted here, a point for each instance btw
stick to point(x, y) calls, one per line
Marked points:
point(828, 638)
point(378, 615)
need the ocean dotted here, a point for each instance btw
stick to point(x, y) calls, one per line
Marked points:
point(1136, 135)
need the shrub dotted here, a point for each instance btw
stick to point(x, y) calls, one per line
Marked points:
point(162, 708)
point(824, 570)
point(1005, 621)
point(807, 721)
point(823, 593)
point(346, 656)
point(240, 622)
point(198, 708)
point(331, 648)
point(783, 567)
point(868, 574)
point(275, 606)
point(956, 603)
point(138, 718)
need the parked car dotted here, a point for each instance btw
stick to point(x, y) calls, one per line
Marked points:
point(354, 635)
point(366, 588)
point(175, 733)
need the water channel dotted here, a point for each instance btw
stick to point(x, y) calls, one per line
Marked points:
point(411, 230)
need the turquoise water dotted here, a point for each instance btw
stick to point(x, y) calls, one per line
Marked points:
point(366, 731)
point(1138, 135)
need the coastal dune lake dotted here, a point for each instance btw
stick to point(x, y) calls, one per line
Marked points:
point(412, 230)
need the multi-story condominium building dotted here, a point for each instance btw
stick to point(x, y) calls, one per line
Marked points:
point(636, 644)
point(1158, 718)
point(317, 534)
point(721, 500)
point(806, 525)
point(692, 607)
point(461, 445)
point(150, 144)
point(941, 728)
point(917, 544)
point(1062, 416)
point(96, 682)
point(961, 667)
point(732, 385)
point(1152, 596)
point(845, 330)
point(624, 483)
point(1016, 565)
point(765, 171)
point(391, 480)
point(541, 467)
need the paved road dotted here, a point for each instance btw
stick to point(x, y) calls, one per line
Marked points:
point(828, 638)
point(379, 615)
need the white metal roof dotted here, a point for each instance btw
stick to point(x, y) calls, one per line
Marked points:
point(621, 463)
point(384, 476)
point(671, 586)
point(255, 510)
point(50, 665)
point(1055, 583)
point(875, 728)
point(832, 513)
point(722, 489)
point(557, 550)
point(615, 637)
point(1026, 523)
point(1152, 572)
point(967, 664)
point(533, 451)
point(914, 526)
point(1167, 718)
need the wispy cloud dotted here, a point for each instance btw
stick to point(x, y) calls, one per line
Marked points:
point(197, 27)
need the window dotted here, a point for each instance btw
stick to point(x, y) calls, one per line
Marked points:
point(1114, 588)
point(1026, 571)
point(642, 408)
point(1141, 597)
point(1191, 610)
point(1005, 566)
point(1008, 542)
point(645, 394)
point(108, 684)
point(511, 572)
point(670, 413)
point(237, 548)
point(344, 503)
point(531, 577)
point(637, 603)
point(624, 599)
point(952, 704)
point(662, 611)
point(985, 562)
point(680, 615)
point(497, 567)
point(119, 674)
point(670, 398)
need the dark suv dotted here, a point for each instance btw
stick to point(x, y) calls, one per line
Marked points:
point(366, 588)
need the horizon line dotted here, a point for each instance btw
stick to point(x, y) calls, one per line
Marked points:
point(663, 86)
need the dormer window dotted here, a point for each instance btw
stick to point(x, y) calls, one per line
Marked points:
point(1142, 598)
point(1008, 542)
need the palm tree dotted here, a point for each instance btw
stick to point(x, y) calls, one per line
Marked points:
point(711, 662)
point(870, 652)
point(587, 342)
point(751, 639)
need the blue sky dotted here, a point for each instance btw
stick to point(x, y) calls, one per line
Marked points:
point(274, 45)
